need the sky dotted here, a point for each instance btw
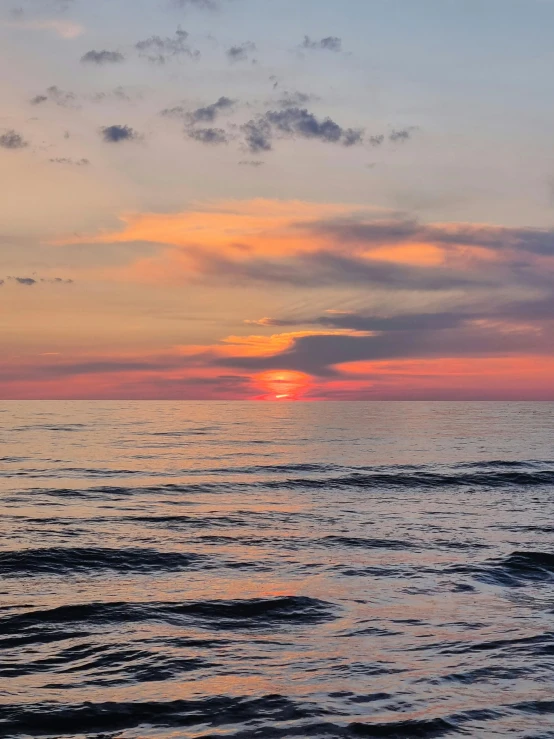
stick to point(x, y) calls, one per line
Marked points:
point(277, 199)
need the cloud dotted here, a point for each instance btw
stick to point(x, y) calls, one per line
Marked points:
point(240, 52)
point(158, 50)
point(120, 94)
point(376, 140)
point(295, 122)
point(325, 354)
point(497, 238)
point(401, 135)
point(102, 57)
point(55, 94)
point(116, 133)
point(295, 99)
point(258, 135)
point(28, 281)
point(313, 246)
point(208, 135)
point(251, 163)
point(68, 160)
point(32, 281)
point(12, 140)
point(329, 43)
point(328, 268)
point(270, 322)
point(209, 113)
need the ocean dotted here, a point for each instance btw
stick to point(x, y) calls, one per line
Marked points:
point(242, 570)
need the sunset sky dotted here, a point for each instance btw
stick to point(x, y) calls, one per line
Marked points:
point(277, 199)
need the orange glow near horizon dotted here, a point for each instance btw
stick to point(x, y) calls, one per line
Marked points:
point(282, 385)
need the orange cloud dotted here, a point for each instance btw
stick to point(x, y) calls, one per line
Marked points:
point(244, 230)
point(267, 346)
point(253, 226)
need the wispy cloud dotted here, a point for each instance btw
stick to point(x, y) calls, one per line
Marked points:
point(329, 43)
point(241, 52)
point(208, 135)
point(102, 57)
point(54, 94)
point(68, 160)
point(158, 49)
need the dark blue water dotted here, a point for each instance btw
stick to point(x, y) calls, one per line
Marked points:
point(276, 570)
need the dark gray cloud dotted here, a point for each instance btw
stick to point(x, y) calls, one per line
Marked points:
point(208, 135)
point(68, 160)
point(209, 113)
point(328, 268)
point(295, 122)
point(319, 354)
point(355, 230)
point(258, 135)
point(402, 322)
point(102, 57)
point(12, 140)
point(177, 111)
point(27, 281)
point(117, 133)
point(329, 43)
point(158, 50)
point(38, 99)
point(240, 52)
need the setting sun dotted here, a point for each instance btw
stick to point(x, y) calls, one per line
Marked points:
point(283, 385)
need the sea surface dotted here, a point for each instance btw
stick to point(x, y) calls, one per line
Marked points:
point(272, 570)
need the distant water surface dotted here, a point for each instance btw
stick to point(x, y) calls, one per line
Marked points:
point(246, 570)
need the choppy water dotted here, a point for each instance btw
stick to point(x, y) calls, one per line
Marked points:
point(276, 570)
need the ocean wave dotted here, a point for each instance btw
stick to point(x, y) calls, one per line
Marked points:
point(363, 543)
point(425, 480)
point(51, 718)
point(514, 570)
point(425, 728)
point(106, 665)
point(55, 560)
point(257, 613)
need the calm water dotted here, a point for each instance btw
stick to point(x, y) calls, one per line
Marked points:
point(275, 570)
